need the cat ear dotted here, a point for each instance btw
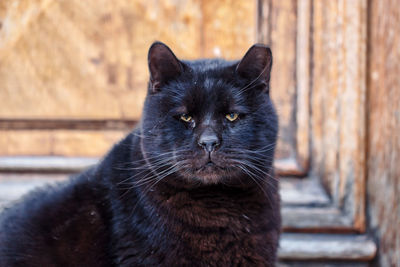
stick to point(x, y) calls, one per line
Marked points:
point(256, 64)
point(163, 65)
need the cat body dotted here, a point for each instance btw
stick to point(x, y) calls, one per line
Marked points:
point(192, 185)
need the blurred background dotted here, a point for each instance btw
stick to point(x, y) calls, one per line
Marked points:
point(73, 77)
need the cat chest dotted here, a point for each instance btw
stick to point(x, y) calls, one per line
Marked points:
point(198, 247)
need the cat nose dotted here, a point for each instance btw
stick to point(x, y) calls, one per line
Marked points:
point(208, 140)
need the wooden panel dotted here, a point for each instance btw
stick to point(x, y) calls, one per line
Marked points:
point(303, 75)
point(285, 26)
point(326, 247)
point(13, 124)
point(15, 16)
point(384, 128)
point(229, 27)
point(87, 59)
point(45, 164)
point(278, 27)
point(58, 142)
point(338, 103)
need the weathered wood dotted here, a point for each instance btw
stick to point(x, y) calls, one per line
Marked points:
point(88, 59)
point(12, 124)
point(280, 34)
point(338, 103)
point(285, 26)
point(297, 192)
point(84, 143)
point(303, 77)
point(289, 167)
point(47, 164)
point(384, 128)
point(319, 263)
point(15, 17)
point(315, 219)
point(326, 247)
point(228, 27)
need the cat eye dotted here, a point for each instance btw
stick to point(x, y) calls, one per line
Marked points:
point(186, 118)
point(232, 116)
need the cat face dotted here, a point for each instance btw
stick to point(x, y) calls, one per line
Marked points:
point(209, 121)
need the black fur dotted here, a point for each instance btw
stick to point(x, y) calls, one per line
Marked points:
point(172, 193)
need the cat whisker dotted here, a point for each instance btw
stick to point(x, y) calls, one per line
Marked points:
point(266, 148)
point(253, 81)
point(147, 179)
point(150, 158)
point(254, 178)
point(254, 166)
point(160, 165)
point(148, 189)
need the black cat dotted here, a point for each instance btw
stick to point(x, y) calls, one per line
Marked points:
point(192, 185)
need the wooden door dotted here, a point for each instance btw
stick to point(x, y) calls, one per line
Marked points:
point(73, 78)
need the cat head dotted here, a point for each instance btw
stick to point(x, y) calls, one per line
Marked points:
point(209, 121)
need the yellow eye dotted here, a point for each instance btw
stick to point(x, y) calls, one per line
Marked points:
point(186, 118)
point(232, 116)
